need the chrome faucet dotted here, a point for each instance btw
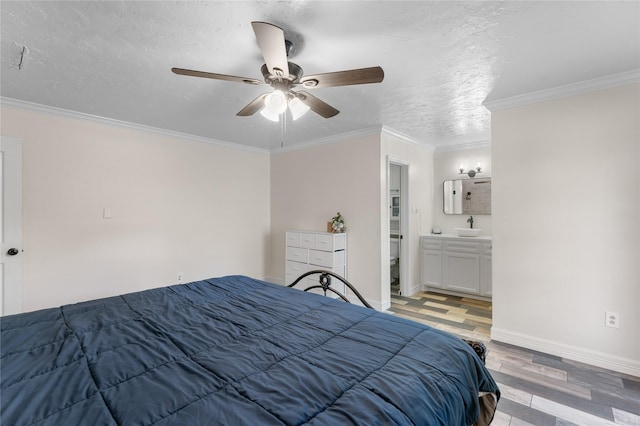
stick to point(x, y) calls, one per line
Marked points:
point(470, 222)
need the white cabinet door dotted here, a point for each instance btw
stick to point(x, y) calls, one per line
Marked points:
point(431, 272)
point(462, 271)
point(431, 262)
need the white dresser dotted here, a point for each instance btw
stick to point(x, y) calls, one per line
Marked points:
point(456, 265)
point(309, 250)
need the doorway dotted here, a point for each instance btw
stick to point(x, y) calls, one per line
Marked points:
point(11, 226)
point(398, 178)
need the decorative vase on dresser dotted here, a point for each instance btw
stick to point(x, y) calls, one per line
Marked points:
point(310, 250)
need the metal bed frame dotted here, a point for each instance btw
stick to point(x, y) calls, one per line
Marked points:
point(325, 284)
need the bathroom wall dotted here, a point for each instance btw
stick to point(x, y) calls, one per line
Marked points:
point(446, 166)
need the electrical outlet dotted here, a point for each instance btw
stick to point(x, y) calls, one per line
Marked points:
point(612, 319)
point(179, 278)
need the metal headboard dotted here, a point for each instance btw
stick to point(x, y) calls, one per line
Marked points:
point(325, 284)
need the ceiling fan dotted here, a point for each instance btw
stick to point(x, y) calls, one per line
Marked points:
point(283, 76)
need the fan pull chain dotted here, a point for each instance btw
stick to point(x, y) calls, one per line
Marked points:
point(283, 128)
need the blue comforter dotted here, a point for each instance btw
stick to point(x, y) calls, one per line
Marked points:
point(233, 351)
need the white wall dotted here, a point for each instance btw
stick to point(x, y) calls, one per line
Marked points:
point(566, 226)
point(308, 186)
point(446, 165)
point(177, 206)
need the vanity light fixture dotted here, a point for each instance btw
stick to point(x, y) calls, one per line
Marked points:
point(471, 172)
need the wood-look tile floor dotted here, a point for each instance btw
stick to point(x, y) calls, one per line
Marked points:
point(537, 388)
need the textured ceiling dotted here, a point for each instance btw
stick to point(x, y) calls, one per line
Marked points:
point(442, 60)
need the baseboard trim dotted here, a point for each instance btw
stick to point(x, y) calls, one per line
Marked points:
point(575, 353)
point(425, 287)
point(379, 306)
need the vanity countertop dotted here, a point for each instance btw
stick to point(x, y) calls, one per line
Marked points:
point(481, 237)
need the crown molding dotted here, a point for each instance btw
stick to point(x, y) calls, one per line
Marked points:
point(340, 137)
point(346, 136)
point(406, 138)
point(464, 146)
point(578, 88)
point(30, 106)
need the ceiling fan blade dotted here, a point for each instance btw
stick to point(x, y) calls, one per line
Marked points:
point(343, 78)
point(316, 105)
point(215, 76)
point(271, 41)
point(253, 107)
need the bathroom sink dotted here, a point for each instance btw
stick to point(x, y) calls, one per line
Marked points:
point(467, 232)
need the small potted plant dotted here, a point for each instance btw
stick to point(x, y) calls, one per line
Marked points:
point(337, 224)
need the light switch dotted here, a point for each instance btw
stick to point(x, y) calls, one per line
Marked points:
point(106, 213)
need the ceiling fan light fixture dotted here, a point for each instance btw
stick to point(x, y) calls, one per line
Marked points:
point(275, 102)
point(283, 76)
point(269, 115)
point(297, 108)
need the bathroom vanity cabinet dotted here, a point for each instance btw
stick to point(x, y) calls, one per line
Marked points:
point(456, 265)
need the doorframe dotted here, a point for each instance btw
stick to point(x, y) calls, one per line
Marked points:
point(10, 237)
point(405, 254)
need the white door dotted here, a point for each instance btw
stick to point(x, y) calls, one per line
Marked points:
point(11, 229)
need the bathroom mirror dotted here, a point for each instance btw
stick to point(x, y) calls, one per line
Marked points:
point(467, 196)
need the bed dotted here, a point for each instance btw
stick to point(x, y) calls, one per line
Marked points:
point(235, 351)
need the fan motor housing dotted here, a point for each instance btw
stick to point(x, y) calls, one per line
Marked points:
point(295, 73)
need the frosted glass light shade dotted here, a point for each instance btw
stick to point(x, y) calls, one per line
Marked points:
point(269, 115)
point(297, 108)
point(276, 102)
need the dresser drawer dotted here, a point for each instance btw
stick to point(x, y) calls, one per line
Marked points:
point(293, 239)
point(307, 240)
point(293, 270)
point(326, 258)
point(298, 254)
point(296, 268)
point(331, 242)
